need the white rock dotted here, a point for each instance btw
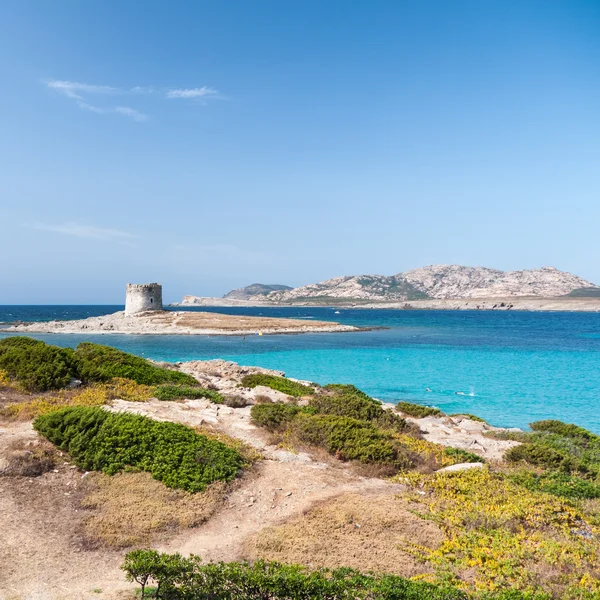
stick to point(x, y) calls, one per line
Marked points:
point(461, 467)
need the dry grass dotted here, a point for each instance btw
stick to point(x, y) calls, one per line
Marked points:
point(94, 395)
point(223, 322)
point(363, 532)
point(132, 509)
point(27, 458)
point(248, 453)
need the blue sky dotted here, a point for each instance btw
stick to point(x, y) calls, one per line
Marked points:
point(209, 145)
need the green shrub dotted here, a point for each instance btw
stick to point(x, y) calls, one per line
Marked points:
point(96, 363)
point(350, 439)
point(561, 448)
point(469, 416)
point(180, 578)
point(98, 440)
point(417, 410)
point(176, 392)
point(235, 401)
point(565, 430)
point(463, 456)
point(513, 436)
point(273, 415)
point(349, 401)
point(557, 484)
point(541, 456)
point(347, 389)
point(35, 365)
point(281, 384)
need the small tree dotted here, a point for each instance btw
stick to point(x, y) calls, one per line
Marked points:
point(140, 566)
point(166, 570)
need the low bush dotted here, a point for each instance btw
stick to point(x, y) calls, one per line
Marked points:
point(96, 363)
point(179, 578)
point(36, 366)
point(98, 440)
point(178, 392)
point(281, 384)
point(417, 410)
point(469, 416)
point(273, 415)
point(557, 484)
point(541, 456)
point(97, 394)
point(349, 401)
point(458, 455)
point(560, 447)
point(350, 439)
point(565, 430)
point(235, 401)
point(513, 436)
point(262, 398)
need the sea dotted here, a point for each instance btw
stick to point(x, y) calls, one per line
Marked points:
point(510, 368)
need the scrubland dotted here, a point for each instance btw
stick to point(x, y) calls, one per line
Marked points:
point(210, 480)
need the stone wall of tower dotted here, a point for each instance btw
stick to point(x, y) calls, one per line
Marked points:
point(142, 297)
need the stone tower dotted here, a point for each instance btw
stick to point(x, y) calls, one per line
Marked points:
point(142, 297)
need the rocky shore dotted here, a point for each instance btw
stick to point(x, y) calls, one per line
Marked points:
point(180, 323)
point(562, 303)
point(527, 303)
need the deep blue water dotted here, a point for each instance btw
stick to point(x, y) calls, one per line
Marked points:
point(511, 368)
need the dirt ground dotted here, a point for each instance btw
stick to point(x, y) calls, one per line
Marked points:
point(45, 554)
point(288, 506)
point(370, 530)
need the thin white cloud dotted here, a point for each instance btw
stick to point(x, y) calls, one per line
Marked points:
point(80, 92)
point(189, 93)
point(91, 107)
point(74, 89)
point(88, 232)
point(127, 111)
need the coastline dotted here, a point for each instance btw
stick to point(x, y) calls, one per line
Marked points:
point(520, 303)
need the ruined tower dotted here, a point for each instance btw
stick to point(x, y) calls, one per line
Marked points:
point(142, 297)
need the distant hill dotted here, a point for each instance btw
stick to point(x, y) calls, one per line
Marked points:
point(432, 282)
point(255, 290)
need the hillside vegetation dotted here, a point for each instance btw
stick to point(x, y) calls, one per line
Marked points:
point(523, 528)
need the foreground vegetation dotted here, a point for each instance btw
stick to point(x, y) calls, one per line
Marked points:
point(527, 528)
point(98, 440)
point(39, 367)
point(352, 426)
point(176, 577)
point(90, 375)
point(508, 537)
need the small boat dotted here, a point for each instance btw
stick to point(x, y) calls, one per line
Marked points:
point(337, 312)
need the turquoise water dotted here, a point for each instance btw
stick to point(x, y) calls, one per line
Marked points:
point(510, 368)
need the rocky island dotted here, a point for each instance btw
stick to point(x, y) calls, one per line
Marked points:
point(144, 314)
point(450, 287)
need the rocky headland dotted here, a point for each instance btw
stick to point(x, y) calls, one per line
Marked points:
point(451, 287)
